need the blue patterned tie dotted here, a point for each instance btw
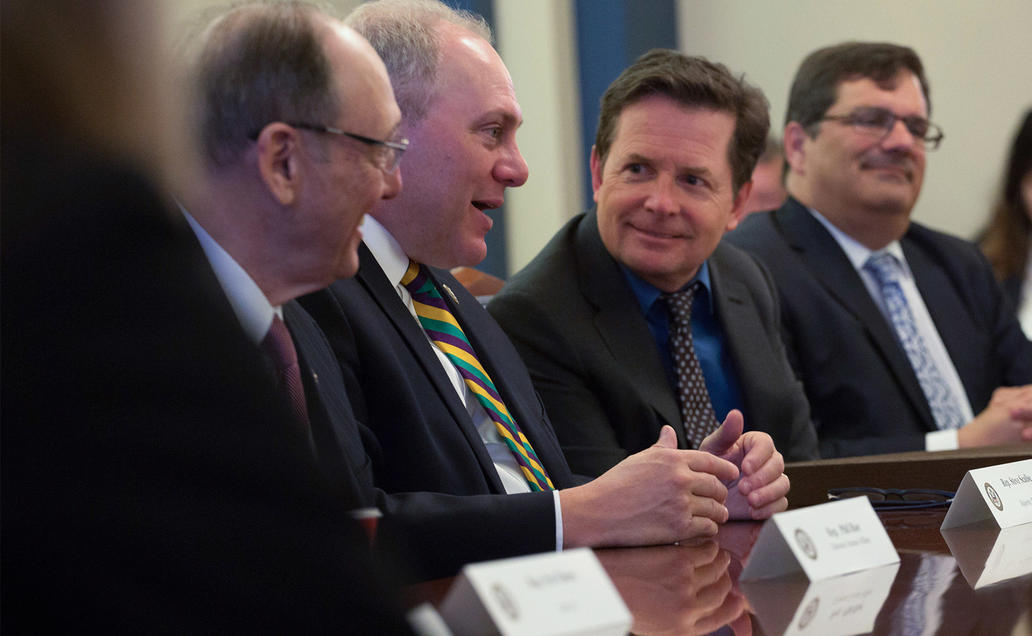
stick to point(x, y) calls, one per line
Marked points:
point(943, 403)
point(442, 328)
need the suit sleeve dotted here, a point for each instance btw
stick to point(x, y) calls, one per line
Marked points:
point(580, 420)
point(436, 533)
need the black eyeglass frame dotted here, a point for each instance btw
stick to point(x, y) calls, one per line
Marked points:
point(390, 162)
point(918, 127)
point(891, 504)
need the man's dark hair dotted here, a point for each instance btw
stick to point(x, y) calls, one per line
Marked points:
point(694, 82)
point(815, 87)
point(260, 64)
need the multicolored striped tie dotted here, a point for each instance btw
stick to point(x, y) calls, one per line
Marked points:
point(445, 332)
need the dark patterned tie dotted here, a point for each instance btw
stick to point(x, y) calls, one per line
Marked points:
point(280, 349)
point(692, 395)
point(442, 328)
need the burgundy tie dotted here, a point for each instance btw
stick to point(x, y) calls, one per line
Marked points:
point(280, 349)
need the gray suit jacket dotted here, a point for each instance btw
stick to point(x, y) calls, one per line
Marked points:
point(581, 332)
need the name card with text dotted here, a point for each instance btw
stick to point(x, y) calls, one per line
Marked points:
point(554, 593)
point(1003, 493)
point(825, 540)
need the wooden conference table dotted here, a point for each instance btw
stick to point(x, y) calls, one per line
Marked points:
point(694, 589)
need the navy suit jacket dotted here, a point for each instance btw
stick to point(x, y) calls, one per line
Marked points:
point(863, 393)
point(580, 329)
point(434, 479)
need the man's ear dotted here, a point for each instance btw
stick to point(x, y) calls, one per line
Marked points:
point(738, 207)
point(795, 146)
point(279, 148)
point(596, 173)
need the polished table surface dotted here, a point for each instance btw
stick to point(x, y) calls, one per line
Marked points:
point(694, 588)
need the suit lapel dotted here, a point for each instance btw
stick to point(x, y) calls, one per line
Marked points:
point(621, 325)
point(333, 427)
point(743, 332)
point(830, 266)
point(495, 354)
point(372, 278)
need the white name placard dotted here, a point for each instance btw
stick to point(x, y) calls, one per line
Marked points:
point(986, 554)
point(847, 604)
point(1003, 493)
point(825, 540)
point(554, 593)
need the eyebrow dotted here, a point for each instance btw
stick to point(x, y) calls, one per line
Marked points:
point(701, 171)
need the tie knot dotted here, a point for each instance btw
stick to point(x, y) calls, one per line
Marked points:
point(883, 267)
point(278, 345)
point(680, 303)
point(415, 278)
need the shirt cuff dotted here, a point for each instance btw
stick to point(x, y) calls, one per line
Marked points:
point(558, 522)
point(942, 440)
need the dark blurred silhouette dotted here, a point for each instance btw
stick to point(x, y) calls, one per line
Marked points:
point(150, 482)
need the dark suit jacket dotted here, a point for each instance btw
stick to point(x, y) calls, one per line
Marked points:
point(436, 483)
point(150, 484)
point(582, 333)
point(863, 392)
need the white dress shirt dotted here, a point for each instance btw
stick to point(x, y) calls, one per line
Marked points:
point(249, 303)
point(858, 255)
point(394, 262)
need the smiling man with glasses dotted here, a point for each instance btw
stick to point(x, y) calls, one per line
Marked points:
point(899, 333)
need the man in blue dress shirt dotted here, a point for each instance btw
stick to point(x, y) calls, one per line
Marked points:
point(635, 315)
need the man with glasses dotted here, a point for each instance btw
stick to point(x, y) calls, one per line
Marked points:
point(899, 333)
point(293, 109)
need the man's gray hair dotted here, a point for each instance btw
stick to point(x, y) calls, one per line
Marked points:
point(405, 34)
point(256, 64)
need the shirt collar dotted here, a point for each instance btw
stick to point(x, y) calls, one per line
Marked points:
point(249, 303)
point(858, 253)
point(647, 294)
point(385, 249)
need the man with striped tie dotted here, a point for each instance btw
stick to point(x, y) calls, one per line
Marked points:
point(465, 459)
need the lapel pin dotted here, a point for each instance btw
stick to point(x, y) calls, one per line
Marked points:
point(454, 298)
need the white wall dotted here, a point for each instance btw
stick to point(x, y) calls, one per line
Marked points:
point(977, 56)
point(533, 37)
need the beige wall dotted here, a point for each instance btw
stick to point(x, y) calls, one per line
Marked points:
point(977, 56)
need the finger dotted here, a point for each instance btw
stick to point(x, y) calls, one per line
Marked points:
point(759, 447)
point(720, 440)
point(708, 508)
point(770, 470)
point(771, 509)
point(703, 486)
point(700, 527)
point(667, 438)
point(703, 462)
point(776, 489)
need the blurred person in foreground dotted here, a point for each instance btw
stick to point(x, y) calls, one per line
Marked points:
point(152, 480)
point(458, 437)
point(1007, 240)
point(900, 334)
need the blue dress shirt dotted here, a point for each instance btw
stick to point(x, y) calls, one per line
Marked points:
point(707, 336)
